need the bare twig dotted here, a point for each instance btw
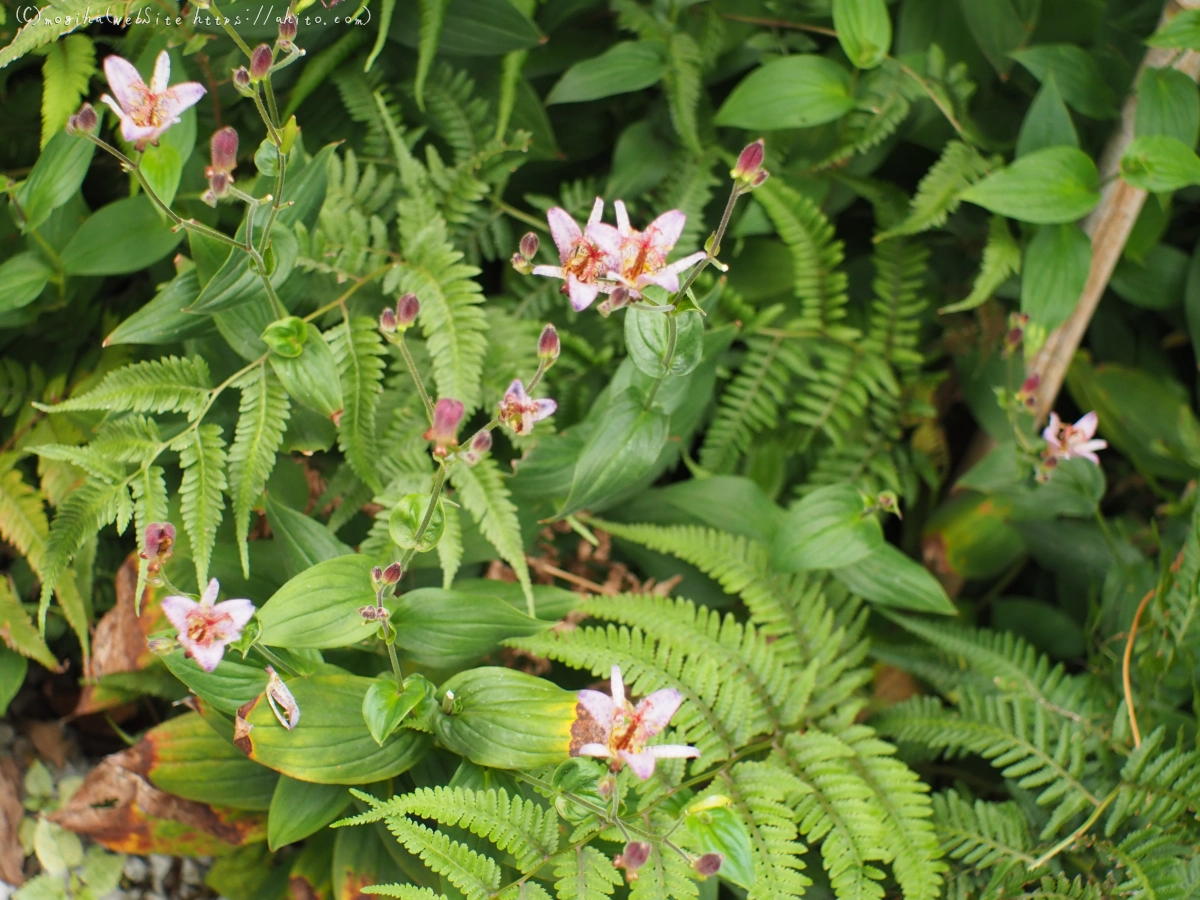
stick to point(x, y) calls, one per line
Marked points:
point(1108, 225)
point(1137, 735)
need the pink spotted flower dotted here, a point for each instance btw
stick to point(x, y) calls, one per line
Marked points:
point(584, 260)
point(147, 111)
point(206, 627)
point(1076, 441)
point(642, 255)
point(621, 730)
point(520, 412)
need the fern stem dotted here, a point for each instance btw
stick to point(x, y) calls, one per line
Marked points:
point(416, 377)
point(937, 101)
point(1125, 679)
point(519, 215)
point(350, 292)
point(1076, 834)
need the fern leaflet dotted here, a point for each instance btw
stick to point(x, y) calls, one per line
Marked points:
point(202, 457)
point(262, 418)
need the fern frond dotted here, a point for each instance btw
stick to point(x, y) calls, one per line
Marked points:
point(758, 791)
point(894, 329)
point(1001, 258)
point(1153, 863)
point(688, 187)
point(982, 835)
point(403, 891)
point(357, 90)
point(433, 14)
point(262, 419)
point(47, 25)
point(23, 520)
point(149, 491)
point(450, 547)
point(358, 351)
point(882, 108)
point(665, 874)
point(68, 67)
point(171, 384)
point(1062, 888)
point(457, 113)
point(476, 875)
point(202, 457)
point(959, 167)
point(482, 491)
point(18, 633)
point(84, 457)
point(584, 873)
point(129, 439)
point(682, 79)
point(517, 826)
point(1159, 785)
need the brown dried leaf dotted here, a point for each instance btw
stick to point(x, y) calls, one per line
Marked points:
point(12, 857)
point(119, 808)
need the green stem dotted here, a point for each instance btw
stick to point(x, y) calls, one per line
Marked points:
point(416, 377)
point(350, 292)
point(395, 664)
point(1074, 835)
point(668, 358)
point(229, 30)
point(278, 201)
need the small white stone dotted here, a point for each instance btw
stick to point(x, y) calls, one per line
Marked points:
point(136, 869)
point(160, 867)
point(189, 872)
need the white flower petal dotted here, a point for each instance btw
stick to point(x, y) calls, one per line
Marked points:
point(206, 657)
point(655, 711)
point(176, 610)
point(240, 611)
point(673, 751)
point(618, 687)
point(175, 100)
point(549, 271)
point(582, 295)
point(599, 750)
point(622, 217)
point(125, 82)
point(564, 230)
point(544, 408)
point(641, 763)
point(210, 593)
point(1087, 424)
point(600, 707)
point(597, 211)
point(162, 73)
point(664, 231)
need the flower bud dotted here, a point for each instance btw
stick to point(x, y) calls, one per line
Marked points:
point(387, 321)
point(529, 245)
point(617, 299)
point(748, 172)
point(1027, 395)
point(392, 574)
point(84, 121)
point(708, 864)
point(371, 614)
point(548, 344)
point(260, 62)
point(480, 445)
point(521, 264)
point(224, 148)
point(218, 186)
point(633, 857)
point(287, 30)
point(241, 79)
point(447, 415)
point(159, 539)
point(407, 308)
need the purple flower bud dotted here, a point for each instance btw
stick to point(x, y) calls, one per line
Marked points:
point(260, 62)
point(708, 864)
point(634, 856)
point(480, 445)
point(84, 121)
point(521, 264)
point(392, 574)
point(160, 538)
point(224, 147)
point(447, 415)
point(241, 78)
point(218, 184)
point(529, 245)
point(387, 321)
point(750, 160)
point(287, 29)
point(407, 308)
point(759, 177)
point(548, 344)
point(616, 300)
point(376, 576)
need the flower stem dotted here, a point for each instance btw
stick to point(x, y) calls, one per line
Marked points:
point(416, 377)
point(668, 358)
point(229, 29)
point(438, 480)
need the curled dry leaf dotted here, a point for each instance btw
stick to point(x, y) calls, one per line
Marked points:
point(118, 807)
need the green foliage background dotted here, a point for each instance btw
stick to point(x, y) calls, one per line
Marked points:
point(932, 164)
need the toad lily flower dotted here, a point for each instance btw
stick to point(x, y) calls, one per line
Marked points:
point(147, 111)
point(584, 259)
point(643, 254)
point(520, 412)
point(620, 730)
point(206, 627)
point(1073, 441)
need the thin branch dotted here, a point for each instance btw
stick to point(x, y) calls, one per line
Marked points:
point(1133, 627)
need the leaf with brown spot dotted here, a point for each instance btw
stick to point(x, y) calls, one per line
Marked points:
point(118, 807)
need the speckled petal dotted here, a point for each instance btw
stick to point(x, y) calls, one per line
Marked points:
point(162, 73)
point(176, 610)
point(125, 81)
point(582, 295)
point(655, 711)
point(641, 763)
point(564, 230)
point(600, 707)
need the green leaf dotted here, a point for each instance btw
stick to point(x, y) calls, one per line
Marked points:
point(238, 283)
point(647, 337)
point(997, 28)
point(404, 523)
point(170, 384)
point(122, 237)
point(792, 92)
point(1180, 32)
point(1047, 627)
point(941, 190)
point(318, 68)
point(1159, 163)
point(20, 634)
point(311, 378)
point(1077, 73)
point(1001, 258)
point(162, 320)
point(385, 20)
point(1050, 186)
point(56, 176)
point(433, 16)
point(163, 167)
point(385, 705)
point(719, 829)
point(305, 541)
point(331, 744)
point(262, 418)
point(226, 688)
point(864, 29)
point(23, 277)
point(828, 529)
point(202, 457)
point(45, 25)
point(13, 667)
point(506, 719)
point(1168, 103)
point(621, 69)
point(68, 67)
point(319, 607)
point(618, 454)
point(483, 491)
point(451, 629)
point(357, 349)
point(300, 809)
point(472, 28)
point(891, 578)
point(191, 760)
point(1057, 261)
point(1157, 282)
point(1047, 122)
